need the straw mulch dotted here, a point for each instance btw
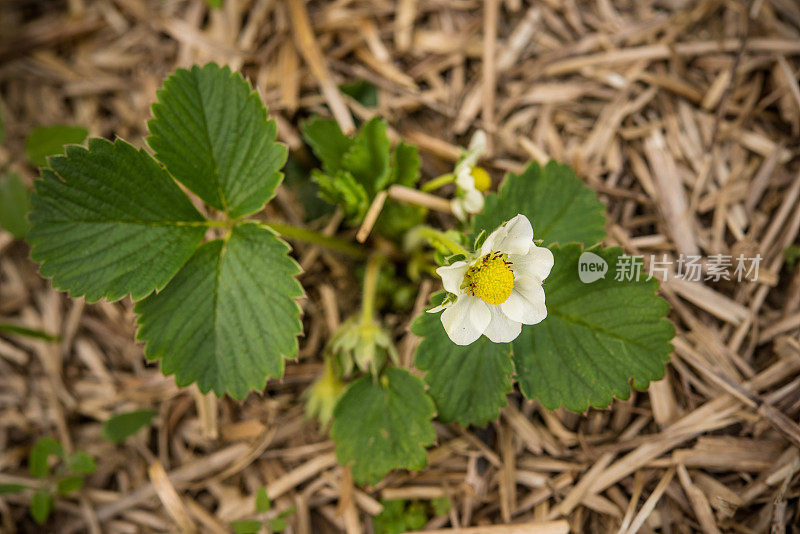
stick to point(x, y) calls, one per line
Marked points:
point(683, 115)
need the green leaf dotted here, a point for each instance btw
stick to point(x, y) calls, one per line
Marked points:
point(40, 453)
point(277, 524)
point(251, 526)
point(214, 4)
point(416, 516)
point(368, 158)
point(49, 140)
point(41, 505)
point(595, 338)
point(69, 484)
point(81, 463)
point(383, 425)
point(327, 142)
point(121, 426)
point(405, 165)
point(109, 221)
point(560, 207)
point(441, 505)
point(263, 503)
point(212, 132)
point(27, 332)
point(14, 205)
point(364, 92)
point(468, 383)
point(229, 317)
point(342, 189)
point(12, 488)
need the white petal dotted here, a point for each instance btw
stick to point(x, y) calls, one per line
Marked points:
point(478, 142)
point(473, 201)
point(491, 242)
point(453, 276)
point(457, 207)
point(464, 178)
point(537, 262)
point(502, 329)
point(518, 237)
point(466, 320)
point(526, 303)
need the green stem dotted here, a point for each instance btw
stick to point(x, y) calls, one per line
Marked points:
point(310, 236)
point(438, 182)
point(436, 237)
point(370, 288)
point(27, 332)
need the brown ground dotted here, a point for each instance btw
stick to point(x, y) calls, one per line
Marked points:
point(684, 116)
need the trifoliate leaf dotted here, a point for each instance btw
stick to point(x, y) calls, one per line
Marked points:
point(69, 484)
point(81, 463)
point(560, 207)
point(124, 425)
point(596, 336)
point(379, 425)
point(327, 142)
point(343, 190)
point(211, 131)
point(109, 221)
point(229, 317)
point(368, 158)
point(50, 140)
point(41, 506)
point(468, 383)
point(41, 452)
point(14, 205)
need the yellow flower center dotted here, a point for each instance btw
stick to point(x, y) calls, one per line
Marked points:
point(481, 178)
point(490, 278)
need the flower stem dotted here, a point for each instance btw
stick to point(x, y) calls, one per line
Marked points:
point(438, 238)
point(310, 236)
point(370, 288)
point(438, 182)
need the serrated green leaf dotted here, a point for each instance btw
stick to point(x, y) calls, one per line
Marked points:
point(405, 165)
point(41, 452)
point(69, 484)
point(229, 318)
point(560, 207)
point(109, 221)
point(124, 425)
point(251, 526)
point(596, 337)
point(343, 190)
point(263, 503)
point(327, 142)
point(368, 158)
point(50, 140)
point(383, 425)
point(81, 463)
point(41, 506)
point(12, 488)
point(468, 383)
point(212, 132)
point(14, 205)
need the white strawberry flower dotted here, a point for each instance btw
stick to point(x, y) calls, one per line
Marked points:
point(499, 290)
point(471, 180)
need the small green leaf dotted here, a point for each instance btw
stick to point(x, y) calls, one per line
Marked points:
point(368, 158)
point(263, 503)
point(229, 318)
point(560, 207)
point(12, 488)
point(364, 92)
point(251, 526)
point(14, 205)
point(69, 484)
point(416, 516)
point(50, 140)
point(441, 505)
point(468, 383)
point(41, 505)
point(109, 221)
point(27, 332)
point(211, 131)
point(327, 142)
point(214, 4)
point(277, 524)
point(595, 338)
point(343, 190)
point(40, 454)
point(123, 425)
point(81, 463)
point(383, 425)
